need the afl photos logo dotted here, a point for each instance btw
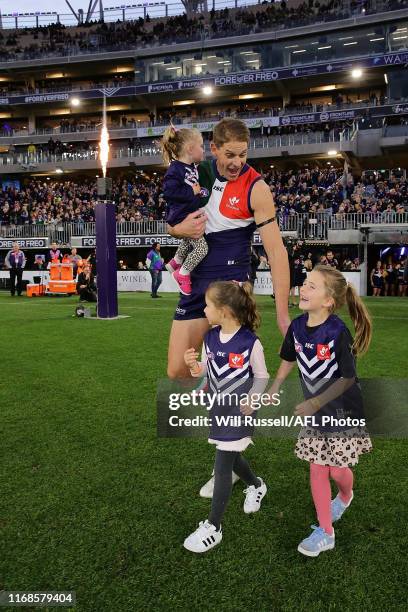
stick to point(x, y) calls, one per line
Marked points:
point(323, 351)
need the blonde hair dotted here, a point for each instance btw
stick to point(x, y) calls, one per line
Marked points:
point(228, 130)
point(239, 298)
point(342, 293)
point(174, 140)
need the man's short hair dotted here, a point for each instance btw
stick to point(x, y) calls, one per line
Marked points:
point(228, 130)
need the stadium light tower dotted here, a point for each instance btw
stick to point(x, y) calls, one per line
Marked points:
point(79, 16)
point(91, 10)
point(75, 14)
point(195, 6)
point(105, 230)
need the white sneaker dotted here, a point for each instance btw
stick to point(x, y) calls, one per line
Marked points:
point(207, 489)
point(203, 538)
point(254, 496)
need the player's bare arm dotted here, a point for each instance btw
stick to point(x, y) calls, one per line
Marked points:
point(264, 211)
point(193, 226)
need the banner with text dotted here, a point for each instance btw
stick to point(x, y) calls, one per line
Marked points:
point(234, 78)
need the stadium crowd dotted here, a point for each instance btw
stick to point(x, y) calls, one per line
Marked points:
point(58, 40)
point(313, 190)
point(42, 202)
point(334, 192)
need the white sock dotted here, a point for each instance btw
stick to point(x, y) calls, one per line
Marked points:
point(184, 271)
point(178, 259)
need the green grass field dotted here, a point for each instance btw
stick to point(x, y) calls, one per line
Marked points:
point(91, 500)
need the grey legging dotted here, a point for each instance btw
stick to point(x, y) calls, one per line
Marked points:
point(227, 462)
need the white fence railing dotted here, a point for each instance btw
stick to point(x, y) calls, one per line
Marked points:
point(312, 226)
point(151, 149)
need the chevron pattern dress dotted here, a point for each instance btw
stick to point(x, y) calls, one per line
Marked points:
point(324, 354)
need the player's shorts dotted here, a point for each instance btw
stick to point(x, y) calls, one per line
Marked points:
point(192, 306)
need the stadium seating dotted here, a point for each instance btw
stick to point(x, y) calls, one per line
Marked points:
point(57, 40)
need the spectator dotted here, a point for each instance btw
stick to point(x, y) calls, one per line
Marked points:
point(298, 276)
point(39, 263)
point(331, 260)
point(313, 190)
point(377, 279)
point(154, 264)
point(59, 40)
point(390, 279)
point(401, 277)
point(347, 264)
point(91, 259)
point(31, 150)
point(263, 263)
point(54, 255)
point(75, 259)
point(15, 262)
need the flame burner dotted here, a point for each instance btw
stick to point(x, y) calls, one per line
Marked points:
point(104, 142)
point(104, 187)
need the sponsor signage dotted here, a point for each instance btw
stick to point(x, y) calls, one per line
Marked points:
point(24, 243)
point(236, 78)
point(147, 240)
point(208, 126)
point(128, 241)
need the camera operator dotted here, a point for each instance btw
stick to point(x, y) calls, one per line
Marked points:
point(86, 285)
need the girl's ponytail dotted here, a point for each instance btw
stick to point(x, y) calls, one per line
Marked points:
point(239, 298)
point(342, 293)
point(361, 320)
point(251, 314)
point(169, 145)
point(174, 140)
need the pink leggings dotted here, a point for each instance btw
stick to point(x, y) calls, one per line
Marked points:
point(321, 491)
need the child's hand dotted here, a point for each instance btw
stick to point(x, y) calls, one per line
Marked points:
point(191, 359)
point(305, 409)
point(274, 390)
point(197, 189)
point(246, 409)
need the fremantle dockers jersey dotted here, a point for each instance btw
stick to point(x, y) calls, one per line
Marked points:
point(229, 372)
point(323, 355)
point(230, 220)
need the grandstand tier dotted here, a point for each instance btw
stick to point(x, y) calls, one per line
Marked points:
point(327, 110)
point(302, 93)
